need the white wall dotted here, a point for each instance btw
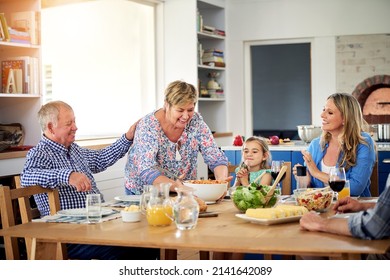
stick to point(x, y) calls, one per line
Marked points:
point(317, 20)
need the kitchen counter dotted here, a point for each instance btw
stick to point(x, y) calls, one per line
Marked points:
point(291, 146)
point(300, 145)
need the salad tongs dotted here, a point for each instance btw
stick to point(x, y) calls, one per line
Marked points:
point(272, 189)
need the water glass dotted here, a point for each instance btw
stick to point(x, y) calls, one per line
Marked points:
point(94, 208)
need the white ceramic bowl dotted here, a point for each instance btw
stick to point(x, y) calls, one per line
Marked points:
point(207, 190)
point(131, 216)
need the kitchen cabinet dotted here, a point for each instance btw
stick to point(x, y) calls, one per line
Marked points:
point(383, 168)
point(21, 107)
point(187, 53)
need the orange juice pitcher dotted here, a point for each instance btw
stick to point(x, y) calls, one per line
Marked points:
point(159, 208)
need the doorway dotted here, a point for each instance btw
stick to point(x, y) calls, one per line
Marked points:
point(280, 88)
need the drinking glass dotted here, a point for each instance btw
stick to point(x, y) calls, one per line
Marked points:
point(94, 208)
point(337, 178)
point(275, 169)
point(346, 191)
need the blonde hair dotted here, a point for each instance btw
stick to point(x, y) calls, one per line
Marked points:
point(49, 113)
point(354, 124)
point(180, 93)
point(264, 146)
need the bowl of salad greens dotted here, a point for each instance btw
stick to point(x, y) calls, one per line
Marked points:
point(253, 196)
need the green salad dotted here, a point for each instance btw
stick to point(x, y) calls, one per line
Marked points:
point(253, 196)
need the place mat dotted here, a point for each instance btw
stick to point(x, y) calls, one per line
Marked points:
point(74, 219)
point(117, 203)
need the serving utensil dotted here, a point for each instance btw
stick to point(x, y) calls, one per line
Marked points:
point(272, 189)
point(259, 177)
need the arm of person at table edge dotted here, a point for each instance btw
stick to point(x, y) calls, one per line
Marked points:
point(372, 222)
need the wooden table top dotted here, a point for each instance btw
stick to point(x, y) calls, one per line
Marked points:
point(225, 233)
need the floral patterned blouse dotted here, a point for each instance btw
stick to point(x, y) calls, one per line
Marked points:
point(151, 147)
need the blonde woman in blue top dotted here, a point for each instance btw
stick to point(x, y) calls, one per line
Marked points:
point(343, 143)
point(257, 158)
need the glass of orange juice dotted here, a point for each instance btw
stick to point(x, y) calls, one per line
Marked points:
point(346, 191)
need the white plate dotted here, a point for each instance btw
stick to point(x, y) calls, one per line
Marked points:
point(128, 198)
point(82, 212)
point(267, 222)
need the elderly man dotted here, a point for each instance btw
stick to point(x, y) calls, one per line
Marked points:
point(58, 162)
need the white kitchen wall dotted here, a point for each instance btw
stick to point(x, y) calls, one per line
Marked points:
point(283, 20)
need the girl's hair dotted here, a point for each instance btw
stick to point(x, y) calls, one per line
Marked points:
point(350, 136)
point(180, 93)
point(49, 113)
point(264, 146)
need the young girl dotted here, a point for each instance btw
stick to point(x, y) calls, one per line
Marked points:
point(256, 158)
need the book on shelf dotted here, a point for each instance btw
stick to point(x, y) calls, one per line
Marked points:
point(20, 75)
point(28, 21)
point(213, 51)
point(215, 64)
point(12, 76)
point(219, 32)
point(199, 21)
point(2, 35)
point(208, 28)
point(19, 36)
point(212, 54)
point(4, 25)
point(212, 59)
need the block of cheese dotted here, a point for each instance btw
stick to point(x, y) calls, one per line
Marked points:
point(265, 213)
point(293, 210)
point(280, 211)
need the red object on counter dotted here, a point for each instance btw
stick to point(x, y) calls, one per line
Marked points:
point(238, 141)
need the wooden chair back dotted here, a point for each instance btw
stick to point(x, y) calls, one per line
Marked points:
point(374, 187)
point(10, 213)
point(286, 183)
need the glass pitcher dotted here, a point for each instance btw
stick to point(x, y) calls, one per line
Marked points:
point(159, 207)
point(144, 199)
point(185, 209)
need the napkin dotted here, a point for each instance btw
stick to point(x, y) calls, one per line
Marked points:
point(72, 219)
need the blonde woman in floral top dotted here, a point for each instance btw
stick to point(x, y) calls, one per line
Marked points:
point(171, 138)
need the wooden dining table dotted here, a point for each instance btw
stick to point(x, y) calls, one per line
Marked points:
point(224, 233)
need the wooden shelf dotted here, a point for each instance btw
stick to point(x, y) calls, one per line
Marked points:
point(210, 99)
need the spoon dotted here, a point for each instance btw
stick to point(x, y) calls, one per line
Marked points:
point(272, 189)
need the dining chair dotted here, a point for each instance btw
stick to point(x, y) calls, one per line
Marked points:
point(374, 187)
point(15, 208)
point(286, 183)
point(232, 172)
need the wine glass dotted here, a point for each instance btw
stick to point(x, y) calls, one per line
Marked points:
point(337, 178)
point(276, 166)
